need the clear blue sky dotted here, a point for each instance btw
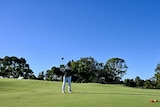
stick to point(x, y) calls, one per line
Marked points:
point(43, 31)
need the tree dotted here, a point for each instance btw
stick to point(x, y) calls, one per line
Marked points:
point(2, 68)
point(148, 84)
point(49, 75)
point(75, 68)
point(53, 74)
point(115, 68)
point(15, 67)
point(86, 68)
point(139, 82)
point(130, 82)
point(41, 75)
point(157, 75)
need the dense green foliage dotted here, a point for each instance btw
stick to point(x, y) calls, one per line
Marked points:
point(115, 68)
point(139, 83)
point(87, 69)
point(13, 67)
point(35, 93)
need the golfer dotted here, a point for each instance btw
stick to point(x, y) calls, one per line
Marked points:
point(67, 77)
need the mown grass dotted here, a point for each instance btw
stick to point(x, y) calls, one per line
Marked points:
point(34, 93)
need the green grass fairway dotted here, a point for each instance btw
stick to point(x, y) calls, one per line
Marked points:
point(34, 93)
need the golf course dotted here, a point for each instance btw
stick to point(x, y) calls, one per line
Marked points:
point(35, 93)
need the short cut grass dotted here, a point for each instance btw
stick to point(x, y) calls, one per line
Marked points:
point(35, 93)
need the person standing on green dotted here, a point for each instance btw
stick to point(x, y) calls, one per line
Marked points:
point(67, 77)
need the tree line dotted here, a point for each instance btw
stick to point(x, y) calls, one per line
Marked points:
point(84, 70)
point(87, 69)
point(152, 83)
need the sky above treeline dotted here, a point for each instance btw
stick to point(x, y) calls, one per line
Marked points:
point(44, 31)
